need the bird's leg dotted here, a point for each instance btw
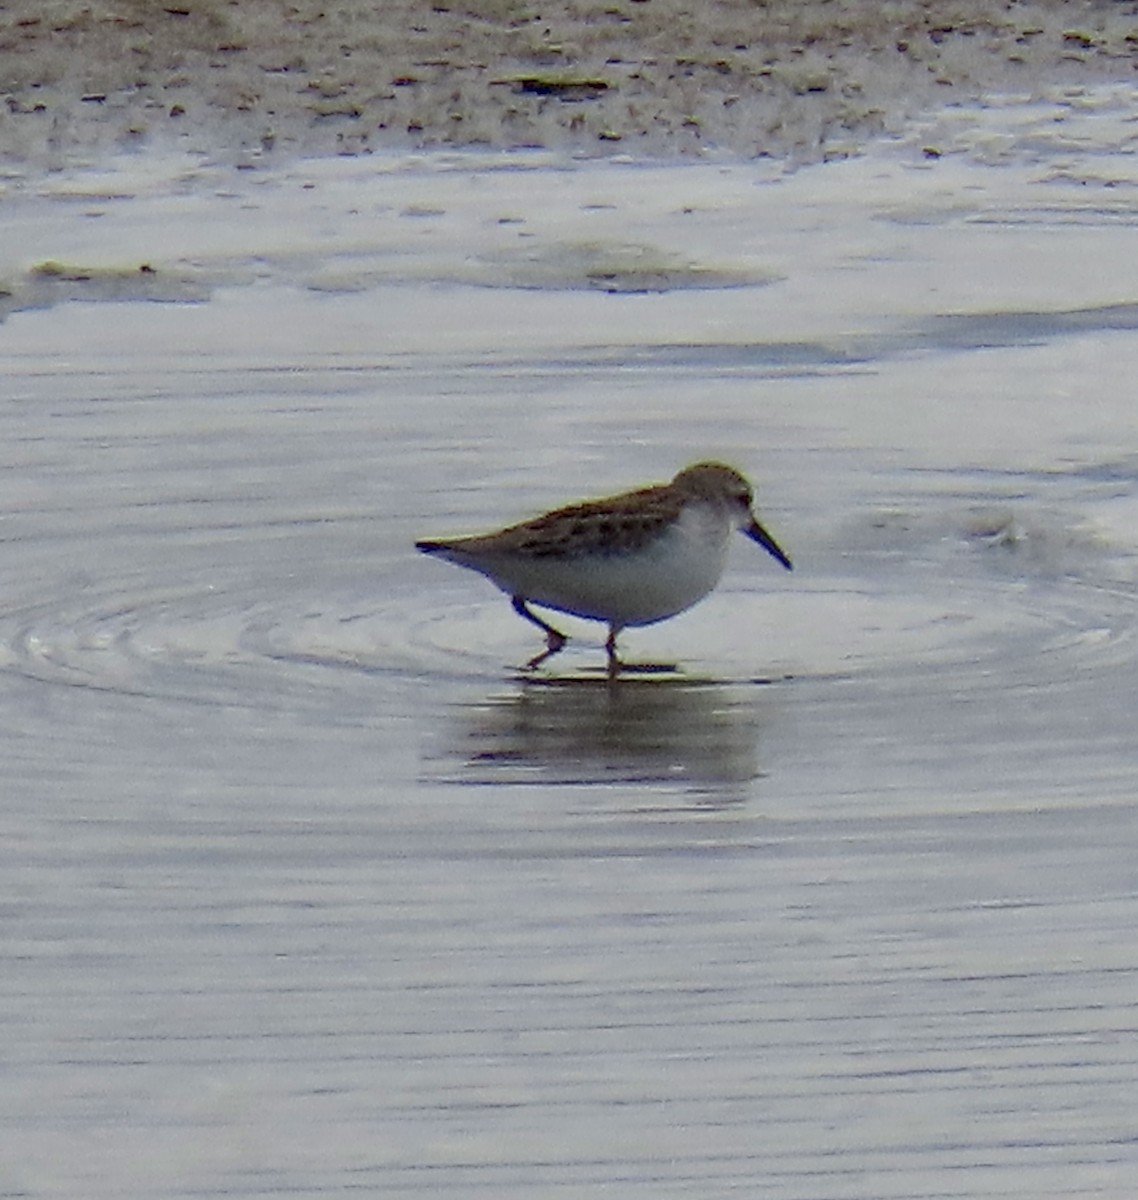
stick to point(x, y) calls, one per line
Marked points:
point(616, 667)
point(554, 638)
point(610, 647)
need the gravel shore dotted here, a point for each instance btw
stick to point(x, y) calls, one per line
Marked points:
point(800, 79)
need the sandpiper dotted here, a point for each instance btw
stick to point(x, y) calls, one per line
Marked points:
point(631, 559)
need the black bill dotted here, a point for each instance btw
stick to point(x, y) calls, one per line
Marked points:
point(758, 534)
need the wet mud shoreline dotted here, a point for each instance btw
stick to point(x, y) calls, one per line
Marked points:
point(801, 79)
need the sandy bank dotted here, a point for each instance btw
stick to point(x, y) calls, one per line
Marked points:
point(799, 78)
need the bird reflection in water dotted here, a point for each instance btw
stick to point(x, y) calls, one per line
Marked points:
point(701, 735)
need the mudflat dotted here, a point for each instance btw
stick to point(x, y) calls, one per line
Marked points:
point(797, 78)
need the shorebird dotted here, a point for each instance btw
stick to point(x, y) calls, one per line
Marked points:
point(632, 559)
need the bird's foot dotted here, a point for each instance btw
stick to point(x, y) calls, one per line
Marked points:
point(554, 642)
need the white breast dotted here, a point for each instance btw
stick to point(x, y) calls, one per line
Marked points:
point(635, 588)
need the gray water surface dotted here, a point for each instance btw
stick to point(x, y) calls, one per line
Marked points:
point(309, 890)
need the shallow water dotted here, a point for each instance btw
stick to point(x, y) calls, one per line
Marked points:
point(309, 889)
